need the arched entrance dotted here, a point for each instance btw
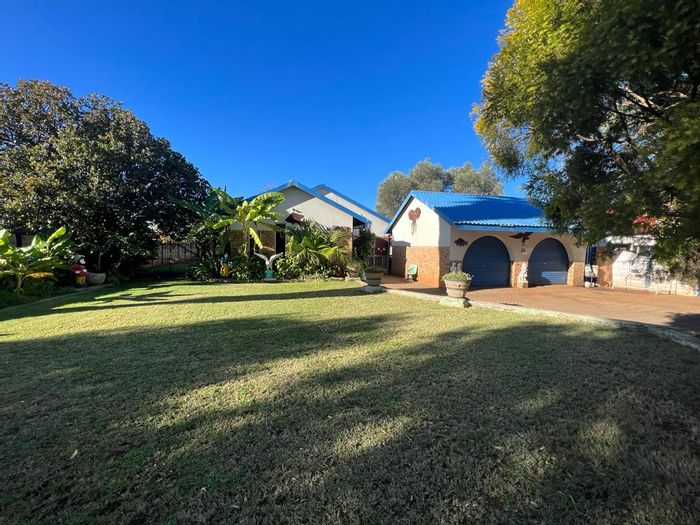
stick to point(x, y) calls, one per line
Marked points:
point(488, 262)
point(549, 263)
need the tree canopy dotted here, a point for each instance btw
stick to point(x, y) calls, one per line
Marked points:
point(91, 166)
point(428, 176)
point(596, 102)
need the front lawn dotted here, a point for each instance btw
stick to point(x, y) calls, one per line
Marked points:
point(312, 402)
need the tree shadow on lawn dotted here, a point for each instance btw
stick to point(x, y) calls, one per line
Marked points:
point(539, 421)
point(117, 299)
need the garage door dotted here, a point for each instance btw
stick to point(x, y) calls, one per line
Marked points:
point(548, 263)
point(488, 262)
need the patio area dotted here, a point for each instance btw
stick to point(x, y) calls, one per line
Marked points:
point(674, 311)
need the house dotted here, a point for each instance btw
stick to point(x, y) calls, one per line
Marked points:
point(501, 241)
point(627, 262)
point(379, 221)
point(322, 204)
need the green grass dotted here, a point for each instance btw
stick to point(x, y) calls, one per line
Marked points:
point(312, 402)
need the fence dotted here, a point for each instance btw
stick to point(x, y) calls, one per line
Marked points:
point(169, 253)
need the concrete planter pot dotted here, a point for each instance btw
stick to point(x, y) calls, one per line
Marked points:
point(373, 278)
point(95, 279)
point(457, 288)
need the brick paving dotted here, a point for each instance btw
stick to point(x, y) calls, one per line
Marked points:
point(665, 310)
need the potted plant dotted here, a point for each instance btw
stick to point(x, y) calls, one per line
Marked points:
point(457, 284)
point(354, 268)
point(373, 275)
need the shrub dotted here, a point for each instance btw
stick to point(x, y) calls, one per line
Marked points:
point(204, 268)
point(363, 245)
point(457, 276)
point(312, 245)
point(375, 269)
point(248, 269)
point(36, 261)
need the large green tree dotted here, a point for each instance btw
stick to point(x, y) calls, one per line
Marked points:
point(429, 176)
point(596, 102)
point(92, 166)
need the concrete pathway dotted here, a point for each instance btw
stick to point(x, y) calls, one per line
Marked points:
point(673, 311)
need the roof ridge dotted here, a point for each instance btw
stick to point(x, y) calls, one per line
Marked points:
point(470, 194)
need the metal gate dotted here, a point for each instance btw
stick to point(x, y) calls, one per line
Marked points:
point(488, 262)
point(549, 263)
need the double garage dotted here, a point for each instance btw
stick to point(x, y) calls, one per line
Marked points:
point(500, 241)
point(488, 261)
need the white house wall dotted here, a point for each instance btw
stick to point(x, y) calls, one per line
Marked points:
point(430, 229)
point(378, 224)
point(632, 271)
point(297, 201)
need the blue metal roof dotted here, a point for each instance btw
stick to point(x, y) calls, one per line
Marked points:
point(361, 206)
point(466, 211)
point(313, 193)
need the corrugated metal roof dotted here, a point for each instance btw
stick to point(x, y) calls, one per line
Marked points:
point(468, 211)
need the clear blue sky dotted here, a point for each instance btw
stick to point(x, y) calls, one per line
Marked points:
point(257, 93)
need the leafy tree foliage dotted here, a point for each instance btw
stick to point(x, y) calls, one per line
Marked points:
point(433, 177)
point(468, 179)
point(92, 166)
point(597, 103)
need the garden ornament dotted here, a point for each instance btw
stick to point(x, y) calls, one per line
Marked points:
point(413, 216)
point(79, 269)
point(269, 272)
point(225, 266)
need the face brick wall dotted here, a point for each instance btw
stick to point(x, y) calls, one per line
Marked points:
point(432, 262)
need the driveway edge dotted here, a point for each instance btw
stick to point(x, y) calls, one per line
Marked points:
point(681, 337)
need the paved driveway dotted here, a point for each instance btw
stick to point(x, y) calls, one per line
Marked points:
point(666, 310)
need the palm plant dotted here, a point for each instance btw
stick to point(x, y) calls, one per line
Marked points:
point(249, 215)
point(36, 261)
point(311, 244)
point(220, 212)
point(208, 214)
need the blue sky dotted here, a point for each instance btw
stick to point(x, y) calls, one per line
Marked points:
point(258, 93)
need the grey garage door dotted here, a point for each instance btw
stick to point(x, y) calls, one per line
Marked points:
point(488, 262)
point(548, 263)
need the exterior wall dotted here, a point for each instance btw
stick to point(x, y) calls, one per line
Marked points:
point(632, 271)
point(426, 244)
point(520, 253)
point(378, 224)
point(432, 261)
point(310, 207)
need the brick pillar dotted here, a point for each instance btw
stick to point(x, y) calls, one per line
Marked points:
point(515, 268)
point(267, 237)
point(236, 241)
point(575, 275)
point(605, 270)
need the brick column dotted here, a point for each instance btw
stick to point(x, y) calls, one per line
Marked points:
point(267, 237)
point(605, 270)
point(515, 268)
point(575, 274)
